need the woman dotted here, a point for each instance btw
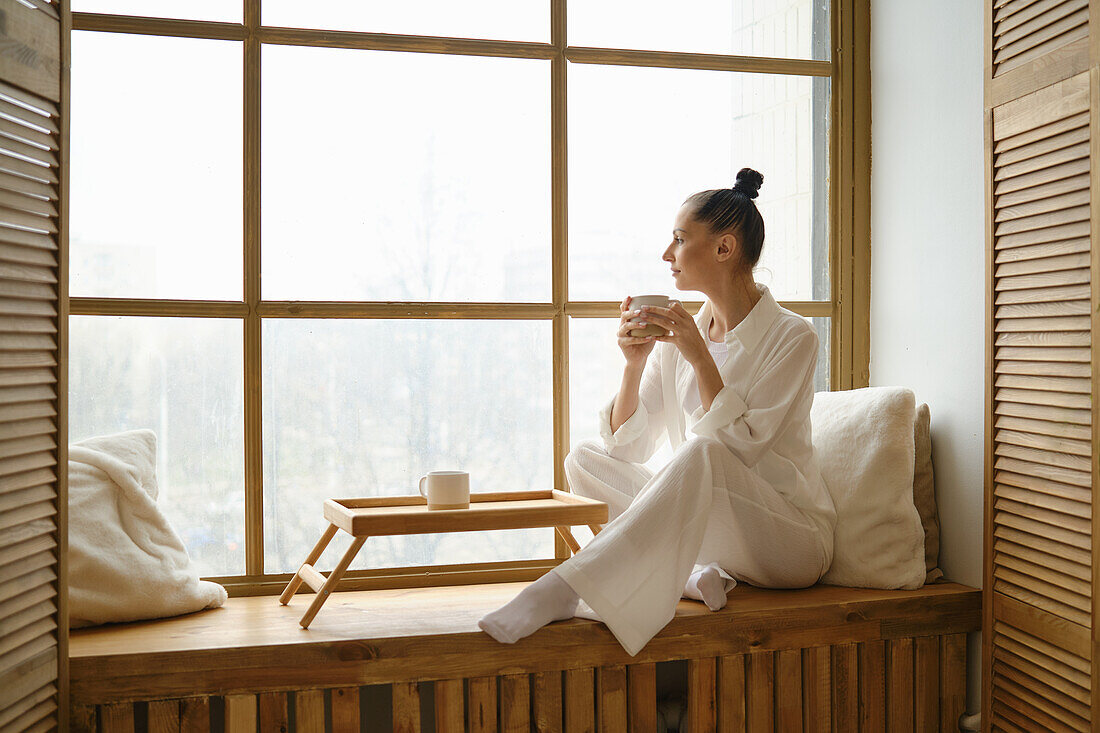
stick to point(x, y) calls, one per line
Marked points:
point(743, 499)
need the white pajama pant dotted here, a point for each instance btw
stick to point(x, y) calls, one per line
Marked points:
point(704, 507)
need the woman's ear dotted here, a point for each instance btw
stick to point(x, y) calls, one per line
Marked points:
point(727, 243)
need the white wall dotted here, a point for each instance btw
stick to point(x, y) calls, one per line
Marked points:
point(928, 252)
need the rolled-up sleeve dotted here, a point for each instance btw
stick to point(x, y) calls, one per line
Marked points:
point(636, 439)
point(749, 424)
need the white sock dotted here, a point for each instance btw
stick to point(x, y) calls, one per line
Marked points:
point(547, 599)
point(707, 586)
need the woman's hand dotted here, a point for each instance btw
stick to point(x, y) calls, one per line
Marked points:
point(682, 330)
point(636, 349)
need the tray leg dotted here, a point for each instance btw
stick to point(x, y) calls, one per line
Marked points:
point(314, 555)
point(569, 539)
point(333, 579)
point(595, 528)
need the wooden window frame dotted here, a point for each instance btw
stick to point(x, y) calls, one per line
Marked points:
point(849, 239)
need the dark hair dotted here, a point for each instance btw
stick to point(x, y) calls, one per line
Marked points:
point(732, 210)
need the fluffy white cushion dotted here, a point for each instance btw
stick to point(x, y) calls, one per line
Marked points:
point(864, 443)
point(125, 560)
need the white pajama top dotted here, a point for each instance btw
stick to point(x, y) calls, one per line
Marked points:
point(761, 414)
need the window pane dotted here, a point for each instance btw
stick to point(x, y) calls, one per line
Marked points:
point(181, 378)
point(498, 19)
point(228, 11)
point(782, 28)
point(432, 184)
point(822, 377)
point(156, 167)
point(668, 133)
point(364, 408)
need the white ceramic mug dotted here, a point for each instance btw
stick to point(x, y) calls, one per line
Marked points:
point(650, 329)
point(446, 489)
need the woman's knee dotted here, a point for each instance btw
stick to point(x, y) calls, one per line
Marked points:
point(581, 460)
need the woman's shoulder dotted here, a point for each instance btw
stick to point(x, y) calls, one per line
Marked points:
point(790, 325)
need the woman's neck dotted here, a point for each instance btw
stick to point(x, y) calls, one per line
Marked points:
point(730, 302)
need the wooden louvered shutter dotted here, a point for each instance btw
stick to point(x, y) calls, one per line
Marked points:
point(1038, 648)
point(33, 628)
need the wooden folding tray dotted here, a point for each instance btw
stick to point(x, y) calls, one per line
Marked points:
point(394, 515)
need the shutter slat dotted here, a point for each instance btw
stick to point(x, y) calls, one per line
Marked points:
point(1039, 236)
point(1043, 295)
point(1038, 650)
point(1045, 427)
point(1081, 571)
point(1075, 121)
point(1038, 44)
point(1057, 323)
point(1051, 308)
point(1044, 486)
point(1057, 217)
point(1058, 474)
point(1034, 527)
point(31, 385)
point(1044, 191)
point(1056, 140)
point(1030, 593)
point(1042, 500)
point(1041, 709)
point(1042, 206)
point(1039, 368)
point(1035, 18)
point(1080, 525)
point(1047, 384)
point(1072, 153)
point(1047, 545)
point(1042, 412)
point(1031, 440)
point(1047, 338)
point(1074, 588)
point(1042, 177)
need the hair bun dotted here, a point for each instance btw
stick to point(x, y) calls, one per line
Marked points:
point(748, 182)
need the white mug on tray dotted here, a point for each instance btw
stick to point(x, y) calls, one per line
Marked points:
point(446, 489)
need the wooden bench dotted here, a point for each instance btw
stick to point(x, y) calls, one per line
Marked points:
point(414, 659)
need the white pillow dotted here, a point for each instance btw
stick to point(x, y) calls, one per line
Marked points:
point(864, 444)
point(125, 560)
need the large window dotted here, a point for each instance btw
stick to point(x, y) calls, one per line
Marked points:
point(323, 248)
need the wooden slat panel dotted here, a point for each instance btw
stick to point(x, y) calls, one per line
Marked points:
point(1040, 514)
point(1022, 567)
point(899, 684)
point(406, 707)
point(1026, 535)
point(1042, 295)
point(612, 704)
point(119, 718)
point(29, 186)
point(27, 169)
point(1046, 458)
point(515, 703)
point(1041, 108)
point(579, 702)
point(481, 704)
point(273, 712)
point(1066, 436)
point(761, 691)
point(641, 681)
point(1038, 368)
point(788, 689)
point(926, 683)
point(1056, 323)
point(845, 670)
point(872, 685)
point(1049, 338)
point(1072, 385)
point(1042, 707)
point(547, 702)
point(240, 713)
point(17, 130)
point(195, 715)
point(27, 204)
point(1040, 412)
point(731, 698)
point(309, 710)
point(1074, 698)
point(164, 716)
point(344, 703)
point(702, 710)
point(1046, 264)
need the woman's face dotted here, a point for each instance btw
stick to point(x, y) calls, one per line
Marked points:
point(697, 257)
